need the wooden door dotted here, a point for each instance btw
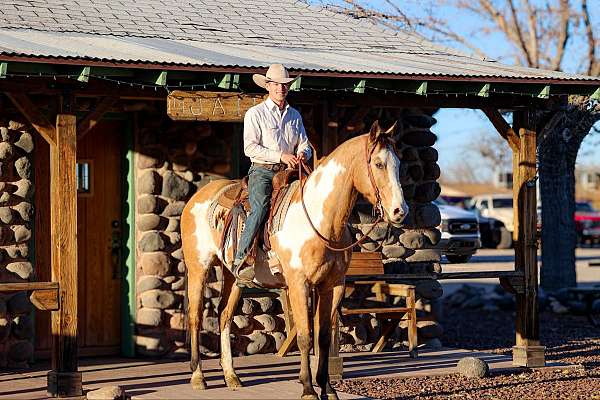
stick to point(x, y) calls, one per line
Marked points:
point(99, 222)
point(99, 212)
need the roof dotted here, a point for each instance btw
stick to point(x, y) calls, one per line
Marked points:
point(249, 34)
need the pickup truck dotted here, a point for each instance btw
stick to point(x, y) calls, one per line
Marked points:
point(587, 223)
point(460, 233)
point(500, 207)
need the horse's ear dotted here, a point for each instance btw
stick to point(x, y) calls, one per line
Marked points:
point(391, 133)
point(374, 132)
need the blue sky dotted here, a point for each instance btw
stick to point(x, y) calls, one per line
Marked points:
point(457, 127)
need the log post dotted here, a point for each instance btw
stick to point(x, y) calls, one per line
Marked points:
point(527, 352)
point(64, 380)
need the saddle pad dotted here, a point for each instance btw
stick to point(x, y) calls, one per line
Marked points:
point(282, 208)
point(216, 210)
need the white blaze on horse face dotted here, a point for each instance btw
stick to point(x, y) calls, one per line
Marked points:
point(392, 163)
point(296, 230)
point(205, 243)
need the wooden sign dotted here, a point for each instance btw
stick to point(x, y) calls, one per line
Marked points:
point(210, 106)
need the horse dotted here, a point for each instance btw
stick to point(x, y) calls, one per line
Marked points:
point(366, 164)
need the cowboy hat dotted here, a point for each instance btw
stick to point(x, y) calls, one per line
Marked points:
point(276, 73)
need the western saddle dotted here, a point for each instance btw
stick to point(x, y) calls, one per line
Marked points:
point(235, 199)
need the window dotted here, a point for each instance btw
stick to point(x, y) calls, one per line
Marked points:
point(84, 177)
point(503, 203)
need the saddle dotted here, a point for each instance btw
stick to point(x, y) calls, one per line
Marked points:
point(235, 199)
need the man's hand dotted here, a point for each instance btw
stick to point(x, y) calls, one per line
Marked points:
point(303, 157)
point(290, 160)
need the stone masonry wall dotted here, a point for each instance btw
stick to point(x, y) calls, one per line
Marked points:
point(16, 221)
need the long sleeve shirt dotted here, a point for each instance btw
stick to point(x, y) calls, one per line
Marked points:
point(269, 132)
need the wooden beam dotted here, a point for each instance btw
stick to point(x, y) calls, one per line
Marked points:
point(503, 128)
point(33, 115)
point(64, 380)
point(88, 123)
point(527, 352)
point(17, 287)
point(46, 299)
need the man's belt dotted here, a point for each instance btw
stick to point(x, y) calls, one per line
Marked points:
point(271, 167)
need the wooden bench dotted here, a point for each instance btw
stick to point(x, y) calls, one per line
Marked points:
point(389, 316)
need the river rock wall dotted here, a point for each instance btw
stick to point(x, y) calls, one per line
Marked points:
point(16, 224)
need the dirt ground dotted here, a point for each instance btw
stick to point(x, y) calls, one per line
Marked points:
point(568, 339)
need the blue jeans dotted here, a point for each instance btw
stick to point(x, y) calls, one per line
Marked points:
point(260, 187)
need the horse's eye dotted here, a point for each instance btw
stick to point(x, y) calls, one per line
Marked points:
point(379, 165)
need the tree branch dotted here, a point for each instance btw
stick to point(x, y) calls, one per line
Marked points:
point(519, 35)
point(594, 64)
point(563, 35)
point(534, 46)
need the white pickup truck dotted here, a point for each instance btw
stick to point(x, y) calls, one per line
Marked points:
point(499, 206)
point(460, 233)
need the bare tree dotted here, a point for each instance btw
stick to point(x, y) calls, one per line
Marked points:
point(540, 34)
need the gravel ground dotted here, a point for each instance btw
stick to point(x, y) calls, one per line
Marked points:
point(568, 339)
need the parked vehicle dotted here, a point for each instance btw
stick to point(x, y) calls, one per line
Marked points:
point(491, 231)
point(587, 223)
point(500, 207)
point(460, 233)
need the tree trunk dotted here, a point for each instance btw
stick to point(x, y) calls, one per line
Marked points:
point(559, 142)
point(557, 193)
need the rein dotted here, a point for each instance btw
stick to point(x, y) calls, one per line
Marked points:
point(378, 206)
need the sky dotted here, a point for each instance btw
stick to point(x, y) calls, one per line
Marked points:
point(457, 127)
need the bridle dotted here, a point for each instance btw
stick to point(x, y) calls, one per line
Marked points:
point(378, 208)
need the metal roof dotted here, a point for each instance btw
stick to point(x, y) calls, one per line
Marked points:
point(235, 33)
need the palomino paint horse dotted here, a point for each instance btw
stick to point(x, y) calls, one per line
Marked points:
point(366, 164)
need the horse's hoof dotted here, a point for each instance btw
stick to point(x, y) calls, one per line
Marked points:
point(330, 396)
point(233, 382)
point(198, 383)
point(310, 396)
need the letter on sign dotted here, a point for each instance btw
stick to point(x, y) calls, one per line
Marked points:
point(210, 106)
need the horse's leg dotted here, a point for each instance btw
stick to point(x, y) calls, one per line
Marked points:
point(196, 279)
point(298, 293)
point(328, 300)
point(230, 297)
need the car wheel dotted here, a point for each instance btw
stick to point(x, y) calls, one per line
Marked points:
point(458, 258)
point(506, 241)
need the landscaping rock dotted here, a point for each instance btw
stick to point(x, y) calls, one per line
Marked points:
point(146, 204)
point(148, 283)
point(174, 209)
point(175, 187)
point(107, 393)
point(25, 210)
point(23, 167)
point(25, 142)
point(151, 242)
point(149, 316)
point(23, 269)
point(157, 298)
point(473, 367)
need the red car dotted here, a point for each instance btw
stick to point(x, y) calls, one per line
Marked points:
point(587, 223)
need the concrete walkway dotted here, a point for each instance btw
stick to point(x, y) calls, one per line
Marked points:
point(265, 376)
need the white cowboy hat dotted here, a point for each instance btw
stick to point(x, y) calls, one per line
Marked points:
point(276, 73)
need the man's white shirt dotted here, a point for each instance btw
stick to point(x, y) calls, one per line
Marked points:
point(269, 132)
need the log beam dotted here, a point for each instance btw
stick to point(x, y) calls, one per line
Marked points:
point(88, 123)
point(527, 352)
point(33, 115)
point(503, 128)
point(64, 380)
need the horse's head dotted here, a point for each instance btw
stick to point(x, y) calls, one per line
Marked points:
point(380, 182)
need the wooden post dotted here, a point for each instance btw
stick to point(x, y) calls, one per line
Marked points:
point(527, 352)
point(64, 380)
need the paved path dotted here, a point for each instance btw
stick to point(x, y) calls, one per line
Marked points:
point(264, 376)
point(504, 260)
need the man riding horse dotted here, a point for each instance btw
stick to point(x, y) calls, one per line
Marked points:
point(274, 137)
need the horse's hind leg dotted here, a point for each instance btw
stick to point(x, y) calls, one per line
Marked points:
point(230, 297)
point(298, 292)
point(196, 278)
point(328, 300)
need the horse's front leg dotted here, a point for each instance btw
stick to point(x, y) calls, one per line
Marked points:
point(328, 300)
point(230, 297)
point(298, 293)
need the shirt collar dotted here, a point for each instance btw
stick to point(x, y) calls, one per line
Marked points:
point(274, 107)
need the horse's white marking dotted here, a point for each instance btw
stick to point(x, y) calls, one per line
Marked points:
point(226, 356)
point(389, 157)
point(296, 230)
point(205, 243)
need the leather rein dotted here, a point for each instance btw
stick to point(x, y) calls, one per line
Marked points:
point(378, 206)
